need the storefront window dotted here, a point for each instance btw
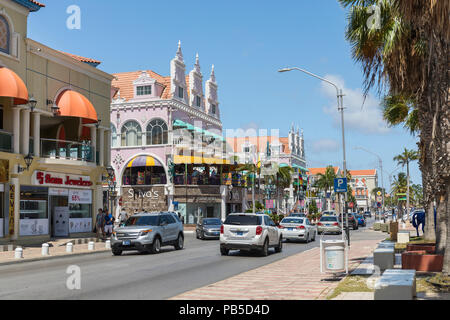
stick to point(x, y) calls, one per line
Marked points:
point(33, 211)
point(144, 176)
point(80, 211)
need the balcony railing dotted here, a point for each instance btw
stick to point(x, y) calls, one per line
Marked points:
point(6, 141)
point(69, 150)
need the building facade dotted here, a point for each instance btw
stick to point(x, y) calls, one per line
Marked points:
point(54, 125)
point(363, 182)
point(271, 153)
point(167, 146)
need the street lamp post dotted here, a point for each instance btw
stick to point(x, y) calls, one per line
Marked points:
point(340, 98)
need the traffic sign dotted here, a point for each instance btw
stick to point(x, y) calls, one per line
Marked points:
point(379, 193)
point(378, 204)
point(340, 185)
point(379, 199)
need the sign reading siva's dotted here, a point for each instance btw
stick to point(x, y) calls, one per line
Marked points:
point(149, 199)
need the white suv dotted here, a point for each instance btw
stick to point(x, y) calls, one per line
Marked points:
point(248, 231)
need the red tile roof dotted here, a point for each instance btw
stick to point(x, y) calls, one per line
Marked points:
point(316, 171)
point(82, 59)
point(356, 173)
point(124, 81)
point(38, 3)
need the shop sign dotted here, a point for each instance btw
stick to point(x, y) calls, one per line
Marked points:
point(42, 178)
point(79, 225)
point(12, 191)
point(137, 193)
point(58, 192)
point(80, 196)
point(4, 171)
point(33, 227)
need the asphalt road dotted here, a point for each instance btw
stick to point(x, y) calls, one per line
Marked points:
point(139, 276)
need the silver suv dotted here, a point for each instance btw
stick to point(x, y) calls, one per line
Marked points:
point(148, 232)
point(248, 231)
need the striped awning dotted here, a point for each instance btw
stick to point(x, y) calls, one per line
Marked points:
point(144, 161)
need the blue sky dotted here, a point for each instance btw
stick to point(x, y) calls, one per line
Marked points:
point(247, 41)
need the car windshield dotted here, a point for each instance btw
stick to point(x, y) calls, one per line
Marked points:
point(142, 221)
point(243, 220)
point(211, 222)
point(298, 215)
point(292, 220)
point(328, 219)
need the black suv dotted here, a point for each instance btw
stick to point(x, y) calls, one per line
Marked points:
point(352, 222)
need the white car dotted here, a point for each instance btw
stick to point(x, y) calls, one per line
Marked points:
point(298, 229)
point(248, 231)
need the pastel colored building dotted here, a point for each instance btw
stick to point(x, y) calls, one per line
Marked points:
point(363, 182)
point(274, 152)
point(167, 146)
point(54, 124)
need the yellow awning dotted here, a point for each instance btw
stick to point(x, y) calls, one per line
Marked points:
point(199, 160)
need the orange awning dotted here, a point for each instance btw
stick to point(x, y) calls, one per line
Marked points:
point(74, 104)
point(12, 86)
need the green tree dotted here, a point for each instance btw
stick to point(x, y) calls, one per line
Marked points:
point(404, 159)
point(325, 182)
point(406, 52)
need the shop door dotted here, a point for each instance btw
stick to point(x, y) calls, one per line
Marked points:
point(210, 212)
point(59, 208)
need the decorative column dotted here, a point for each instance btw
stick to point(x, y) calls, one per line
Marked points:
point(37, 133)
point(15, 182)
point(16, 129)
point(107, 156)
point(94, 143)
point(223, 202)
point(25, 130)
point(101, 147)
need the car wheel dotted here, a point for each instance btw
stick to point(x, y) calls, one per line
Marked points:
point(279, 248)
point(202, 235)
point(265, 248)
point(307, 238)
point(180, 242)
point(156, 246)
point(196, 234)
point(116, 252)
point(224, 252)
point(314, 237)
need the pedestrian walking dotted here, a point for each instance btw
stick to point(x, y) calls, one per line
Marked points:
point(109, 222)
point(99, 224)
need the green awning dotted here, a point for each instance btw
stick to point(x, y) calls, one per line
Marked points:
point(284, 165)
point(190, 127)
point(300, 167)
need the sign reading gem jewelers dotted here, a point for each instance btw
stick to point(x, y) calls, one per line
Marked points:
point(42, 178)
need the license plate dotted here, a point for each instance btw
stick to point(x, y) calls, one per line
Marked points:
point(216, 233)
point(126, 243)
point(240, 233)
point(290, 229)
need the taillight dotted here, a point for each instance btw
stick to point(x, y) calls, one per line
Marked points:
point(221, 229)
point(301, 227)
point(280, 227)
point(335, 224)
point(258, 230)
point(319, 224)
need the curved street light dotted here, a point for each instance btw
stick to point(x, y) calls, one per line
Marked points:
point(340, 99)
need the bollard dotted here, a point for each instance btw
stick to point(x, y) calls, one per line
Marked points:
point(45, 249)
point(91, 246)
point(108, 244)
point(69, 247)
point(18, 253)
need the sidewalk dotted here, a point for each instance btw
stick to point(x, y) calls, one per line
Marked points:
point(297, 277)
point(57, 249)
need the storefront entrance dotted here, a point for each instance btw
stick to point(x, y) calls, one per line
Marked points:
point(60, 216)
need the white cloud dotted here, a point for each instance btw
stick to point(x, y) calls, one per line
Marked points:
point(367, 120)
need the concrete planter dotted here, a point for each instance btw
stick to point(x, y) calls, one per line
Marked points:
point(430, 248)
point(385, 227)
point(421, 261)
point(377, 226)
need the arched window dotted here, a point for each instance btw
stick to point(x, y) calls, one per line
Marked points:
point(157, 132)
point(131, 134)
point(113, 136)
point(4, 35)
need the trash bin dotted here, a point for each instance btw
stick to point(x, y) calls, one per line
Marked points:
point(334, 258)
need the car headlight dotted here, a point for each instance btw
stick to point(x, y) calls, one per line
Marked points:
point(145, 232)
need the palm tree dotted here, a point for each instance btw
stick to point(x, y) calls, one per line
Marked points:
point(408, 52)
point(325, 181)
point(404, 159)
point(399, 186)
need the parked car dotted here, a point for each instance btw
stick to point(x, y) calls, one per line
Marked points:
point(367, 214)
point(351, 220)
point(361, 220)
point(208, 228)
point(329, 224)
point(329, 213)
point(148, 232)
point(295, 228)
point(249, 232)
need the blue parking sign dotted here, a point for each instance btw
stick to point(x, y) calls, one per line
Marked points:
point(340, 185)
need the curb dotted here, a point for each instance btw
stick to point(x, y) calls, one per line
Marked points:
point(51, 257)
